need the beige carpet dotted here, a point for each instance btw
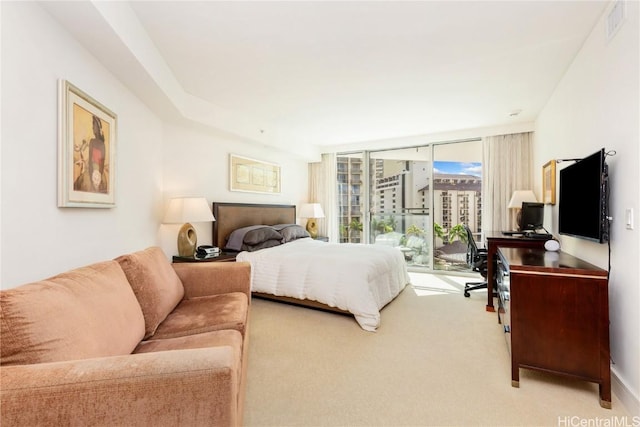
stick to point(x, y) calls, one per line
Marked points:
point(437, 359)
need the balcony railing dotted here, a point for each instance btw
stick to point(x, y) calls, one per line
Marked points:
point(409, 231)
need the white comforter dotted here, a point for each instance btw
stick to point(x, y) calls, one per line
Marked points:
point(357, 278)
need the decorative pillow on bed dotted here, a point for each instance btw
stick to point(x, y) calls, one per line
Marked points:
point(253, 236)
point(291, 232)
point(262, 245)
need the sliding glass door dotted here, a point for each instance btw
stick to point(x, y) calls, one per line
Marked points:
point(417, 199)
point(399, 202)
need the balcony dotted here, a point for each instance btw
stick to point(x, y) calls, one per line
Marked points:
point(409, 232)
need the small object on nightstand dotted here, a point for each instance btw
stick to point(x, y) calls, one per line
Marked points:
point(221, 257)
point(207, 251)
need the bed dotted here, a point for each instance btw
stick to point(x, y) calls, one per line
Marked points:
point(354, 279)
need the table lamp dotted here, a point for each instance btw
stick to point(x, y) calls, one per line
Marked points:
point(517, 198)
point(312, 211)
point(184, 210)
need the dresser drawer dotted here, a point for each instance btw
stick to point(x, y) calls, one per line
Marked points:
point(504, 301)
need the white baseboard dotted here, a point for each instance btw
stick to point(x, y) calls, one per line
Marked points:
point(628, 399)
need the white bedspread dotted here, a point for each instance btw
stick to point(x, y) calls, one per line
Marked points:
point(357, 278)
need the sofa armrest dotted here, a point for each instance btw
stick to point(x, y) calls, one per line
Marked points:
point(178, 387)
point(214, 278)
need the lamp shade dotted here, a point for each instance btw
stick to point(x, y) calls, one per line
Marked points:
point(311, 210)
point(520, 196)
point(188, 209)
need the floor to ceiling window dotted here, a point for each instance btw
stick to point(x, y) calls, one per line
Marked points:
point(457, 201)
point(387, 197)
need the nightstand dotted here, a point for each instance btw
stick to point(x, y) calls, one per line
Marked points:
point(223, 257)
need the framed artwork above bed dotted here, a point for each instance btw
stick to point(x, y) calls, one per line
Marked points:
point(253, 176)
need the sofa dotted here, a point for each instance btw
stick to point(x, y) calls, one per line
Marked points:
point(131, 341)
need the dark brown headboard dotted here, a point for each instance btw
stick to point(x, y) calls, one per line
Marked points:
point(231, 216)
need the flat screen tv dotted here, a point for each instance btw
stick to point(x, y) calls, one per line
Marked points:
point(583, 198)
point(531, 216)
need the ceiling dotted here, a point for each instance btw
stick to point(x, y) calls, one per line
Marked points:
point(332, 72)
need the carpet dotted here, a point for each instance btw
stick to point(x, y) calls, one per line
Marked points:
point(437, 359)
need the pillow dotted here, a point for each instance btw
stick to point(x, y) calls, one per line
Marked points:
point(291, 232)
point(155, 284)
point(251, 236)
point(262, 245)
point(84, 313)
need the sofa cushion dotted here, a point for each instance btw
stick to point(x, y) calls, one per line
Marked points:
point(205, 314)
point(155, 284)
point(225, 337)
point(83, 313)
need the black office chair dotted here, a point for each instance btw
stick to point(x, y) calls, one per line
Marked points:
point(477, 260)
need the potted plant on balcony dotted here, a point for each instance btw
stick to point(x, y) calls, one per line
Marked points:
point(440, 233)
point(417, 242)
point(457, 232)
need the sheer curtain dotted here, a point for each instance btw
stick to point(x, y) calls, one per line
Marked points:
point(322, 189)
point(507, 167)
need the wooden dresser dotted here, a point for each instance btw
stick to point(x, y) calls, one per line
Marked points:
point(554, 309)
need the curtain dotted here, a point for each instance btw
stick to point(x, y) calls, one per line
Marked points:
point(507, 167)
point(322, 189)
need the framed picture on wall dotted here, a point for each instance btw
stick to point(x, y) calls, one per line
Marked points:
point(253, 176)
point(86, 150)
point(549, 183)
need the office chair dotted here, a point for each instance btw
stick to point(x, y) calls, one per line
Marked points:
point(477, 260)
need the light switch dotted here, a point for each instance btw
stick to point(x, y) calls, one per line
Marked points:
point(628, 218)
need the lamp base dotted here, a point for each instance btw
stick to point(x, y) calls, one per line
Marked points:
point(312, 227)
point(187, 240)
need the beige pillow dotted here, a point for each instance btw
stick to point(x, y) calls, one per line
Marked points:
point(155, 284)
point(83, 313)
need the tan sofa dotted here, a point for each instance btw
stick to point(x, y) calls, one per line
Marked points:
point(131, 341)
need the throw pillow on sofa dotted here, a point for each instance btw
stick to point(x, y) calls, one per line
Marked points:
point(155, 284)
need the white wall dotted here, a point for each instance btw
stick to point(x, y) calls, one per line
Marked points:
point(38, 238)
point(155, 160)
point(597, 105)
point(196, 163)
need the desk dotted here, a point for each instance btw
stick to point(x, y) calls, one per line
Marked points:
point(495, 239)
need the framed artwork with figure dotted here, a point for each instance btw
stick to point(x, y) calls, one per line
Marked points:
point(86, 150)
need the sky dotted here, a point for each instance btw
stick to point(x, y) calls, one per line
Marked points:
point(458, 168)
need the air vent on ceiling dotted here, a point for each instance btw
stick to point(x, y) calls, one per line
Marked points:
point(615, 18)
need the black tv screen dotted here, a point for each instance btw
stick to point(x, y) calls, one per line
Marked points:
point(583, 199)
